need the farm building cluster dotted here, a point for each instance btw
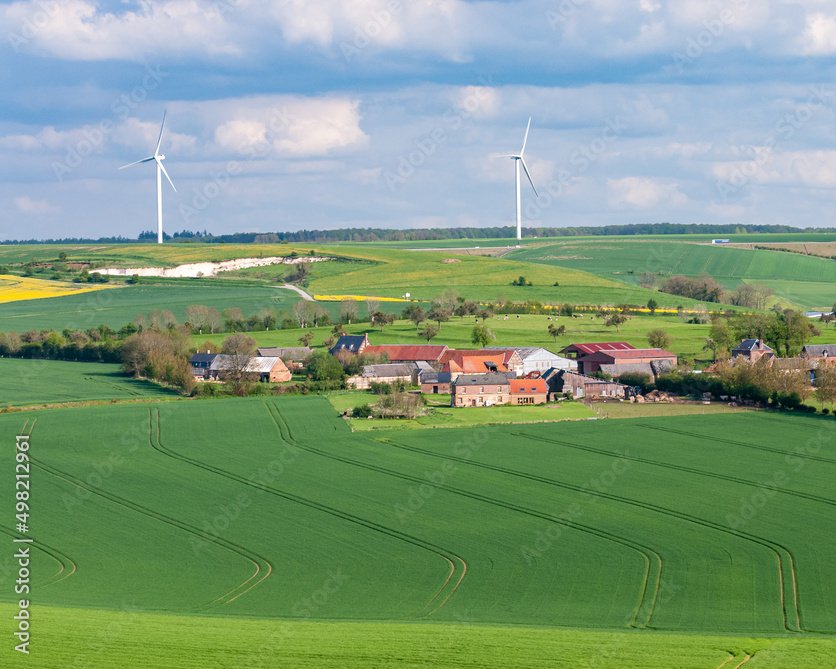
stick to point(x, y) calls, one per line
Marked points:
point(504, 375)
point(269, 365)
point(813, 357)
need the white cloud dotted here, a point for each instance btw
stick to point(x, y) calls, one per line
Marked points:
point(644, 193)
point(288, 126)
point(27, 205)
point(814, 169)
point(478, 101)
point(81, 30)
point(820, 34)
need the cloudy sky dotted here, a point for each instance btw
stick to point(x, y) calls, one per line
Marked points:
point(290, 114)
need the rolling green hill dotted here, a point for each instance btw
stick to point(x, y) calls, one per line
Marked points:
point(803, 280)
point(24, 382)
point(273, 509)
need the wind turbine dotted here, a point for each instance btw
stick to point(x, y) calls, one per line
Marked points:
point(520, 160)
point(158, 158)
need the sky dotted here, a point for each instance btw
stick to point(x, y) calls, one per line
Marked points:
point(316, 114)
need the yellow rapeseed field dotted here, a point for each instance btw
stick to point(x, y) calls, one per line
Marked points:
point(16, 288)
point(357, 298)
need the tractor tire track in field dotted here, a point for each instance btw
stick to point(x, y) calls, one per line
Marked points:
point(702, 472)
point(62, 559)
point(783, 583)
point(732, 442)
point(287, 436)
point(66, 565)
point(457, 565)
point(257, 578)
point(782, 553)
point(651, 582)
point(260, 564)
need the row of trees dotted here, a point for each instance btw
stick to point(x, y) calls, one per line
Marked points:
point(706, 289)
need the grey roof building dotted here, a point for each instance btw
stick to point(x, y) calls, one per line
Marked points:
point(350, 344)
point(293, 353)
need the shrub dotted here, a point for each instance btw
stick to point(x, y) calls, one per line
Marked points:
point(363, 411)
point(639, 379)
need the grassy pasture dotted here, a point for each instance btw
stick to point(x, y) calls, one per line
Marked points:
point(441, 414)
point(687, 339)
point(272, 513)
point(527, 330)
point(627, 260)
point(25, 382)
point(188, 642)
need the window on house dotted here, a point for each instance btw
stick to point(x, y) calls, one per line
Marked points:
point(481, 389)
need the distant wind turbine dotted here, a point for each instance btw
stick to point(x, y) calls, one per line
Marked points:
point(158, 158)
point(520, 160)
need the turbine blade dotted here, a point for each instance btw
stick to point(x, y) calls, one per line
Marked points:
point(144, 160)
point(525, 167)
point(162, 167)
point(525, 139)
point(160, 138)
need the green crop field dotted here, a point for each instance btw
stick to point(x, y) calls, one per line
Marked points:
point(24, 382)
point(382, 271)
point(799, 279)
point(263, 532)
point(119, 306)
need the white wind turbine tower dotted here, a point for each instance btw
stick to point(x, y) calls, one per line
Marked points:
point(158, 158)
point(520, 160)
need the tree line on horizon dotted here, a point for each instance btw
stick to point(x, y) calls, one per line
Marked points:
point(430, 234)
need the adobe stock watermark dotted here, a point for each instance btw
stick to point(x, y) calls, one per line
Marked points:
point(426, 146)
point(710, 32)
point(204, 195)
point(418, 496)
point(784, 129)
point(545, 539)
point(94, 137)
point(373, 27)
point(580, 160)
point(22, 543)
point(564, 10)
point(44, 14)
point(751, 506)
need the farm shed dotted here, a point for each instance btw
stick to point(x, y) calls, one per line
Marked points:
point(592, 362)
point(292, 356)
point(537, 359)
point(385, 373)
point(561, 381)
point(479, 390)
point(271, 370)
point(652, 369)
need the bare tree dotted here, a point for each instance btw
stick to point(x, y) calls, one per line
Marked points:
point(239, 349)
point(348, 311)
point(301, 313)
point(372, 307)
